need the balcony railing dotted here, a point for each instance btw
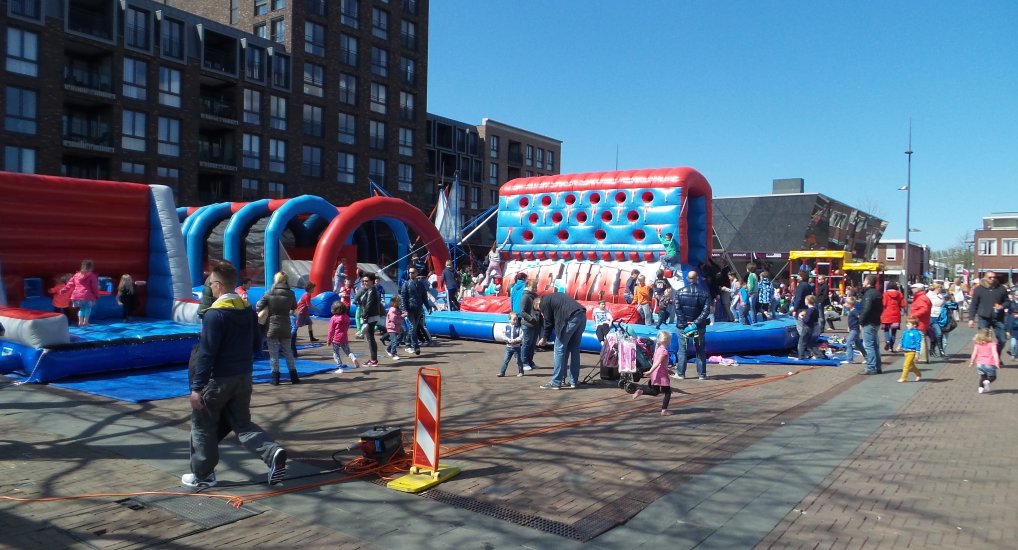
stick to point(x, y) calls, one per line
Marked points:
point(93, 83)
point(219, 111)
point(101, 142)
point(84, 21)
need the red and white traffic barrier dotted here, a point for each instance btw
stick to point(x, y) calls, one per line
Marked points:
point(427, 418)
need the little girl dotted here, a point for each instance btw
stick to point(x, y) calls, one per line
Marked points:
point(62, 295)
point(393, 327)
point(602, 320)
point(304, 311)
point(985, 358)
point(126, 296)
point(339, 337)
point(84, 289)
point(657, 378)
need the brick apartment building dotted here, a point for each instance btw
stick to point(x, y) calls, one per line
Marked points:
point(223, 101)
point(891, 252)
point(996, 245)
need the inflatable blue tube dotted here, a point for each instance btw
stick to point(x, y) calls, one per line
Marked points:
point(204, 221)
point(185, 228)
point(233, 238)
point(182, 213)
point(304, 204)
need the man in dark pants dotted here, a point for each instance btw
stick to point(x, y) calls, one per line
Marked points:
point(989, 304)
point(221, 384)
point(568, 318)
point(451, 280)
point(413, 298)
point(802, 289)
point(870, 309)
point(692, 310)
point(532, 323)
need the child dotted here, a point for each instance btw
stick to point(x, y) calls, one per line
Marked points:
point(852, 341)
point(241, 290)
point(339, 336)
point(664, 307)
point(127, 298)
point(602, 320)
point(1013, 329)
point(346, 292)
point(62, 296)
point(84, 289)
point(985, 358)
point(304, 311)
point(513, 344)
point(911, 342)
point(808, 319)
point(393, 328)
point(657, 378)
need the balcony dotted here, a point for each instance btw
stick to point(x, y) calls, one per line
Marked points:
point(92, 18)
point(217, 110)
point(216, 152)
point(100, 140)
point(89, 75)
point(219, 53)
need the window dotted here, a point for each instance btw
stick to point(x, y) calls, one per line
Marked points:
point(171, 40)
point(410, 6)
point(278, 5)
point(133, 131)
point(26, 8)
point(169, 177)
point(137, 168)
point(530, 155)
point(376, 170)
point(277, 30)
point(261, 7)
point(493, 144)
point(22, 110)
point(408, 33)
point(252, 106)
point(406, 142)
point(408, 70)
point(135, 78)
point(348, 13)
point(314, 39)
point(277, 156)
point(406, 109)
point(254, 63)
point(348, 49)
point(261, 30)
point(316, 7)
point(475, 197)
point(379, 61)
point(252, 151)
point(406, 177)
point(311, 161)
point(276, 190)
point(540, 157)
point(478, 176)
point(249, 189)
point(347, 89)
point(345, 167)
point(987, 247)
point(379, 97)
point(136, 34)
point(313, 124)
point(281, 71)
point(376, 134)
point(551, 161)
point(1009, 247)
point(314, 80)
point(169, 87)
point(22, 52)
point(169, 137)
point(19, 159)
point(347, 128)
point(492, 197)
point(380, 24)
point(277, 112)
point(891, 253)
point(493, 174)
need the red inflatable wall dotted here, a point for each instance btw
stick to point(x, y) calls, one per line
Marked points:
point(48, 224)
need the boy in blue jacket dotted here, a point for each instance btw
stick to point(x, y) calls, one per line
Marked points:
point(911, 341)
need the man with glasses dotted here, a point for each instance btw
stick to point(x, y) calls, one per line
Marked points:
point(413, 298)
point(221, 384)
point(989, 306)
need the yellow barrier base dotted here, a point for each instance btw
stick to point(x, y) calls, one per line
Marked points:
point(415, 483)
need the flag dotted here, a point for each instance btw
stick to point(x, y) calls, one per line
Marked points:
point(446, 219)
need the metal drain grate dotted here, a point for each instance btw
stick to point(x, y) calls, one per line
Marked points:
point(207, 512)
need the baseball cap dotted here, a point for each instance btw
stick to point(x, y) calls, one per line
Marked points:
point(918, 286)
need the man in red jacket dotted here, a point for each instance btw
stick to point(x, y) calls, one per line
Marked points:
point(921, 308)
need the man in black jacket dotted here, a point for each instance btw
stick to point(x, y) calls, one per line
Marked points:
point(532, 322)
point(692, 312)
point(221, 385)
point(413, 299)
point(870, 309)
point(989, 304)
point(451, 281)
point(568, 318)
point(803, 288)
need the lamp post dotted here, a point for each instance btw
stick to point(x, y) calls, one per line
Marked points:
point(908, 206)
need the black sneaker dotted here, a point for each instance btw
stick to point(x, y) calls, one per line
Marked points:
point(277, 468)
point(570, 386)
point(550, 386)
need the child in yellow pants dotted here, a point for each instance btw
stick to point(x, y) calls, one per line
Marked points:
point(911, 342)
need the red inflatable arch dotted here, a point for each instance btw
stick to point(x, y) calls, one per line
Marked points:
point(331, 243)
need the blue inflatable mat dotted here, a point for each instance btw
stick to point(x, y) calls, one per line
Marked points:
point(169, 382)
point(781, 360)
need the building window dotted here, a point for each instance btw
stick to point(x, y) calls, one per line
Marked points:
point(250, 188)
point(345, 167)
point(313, 124)
point(406, 142)
point(133, 131)
point(314, 80)
point(254, 59)
point(493, 174)
point(478, 176)
point(276, 190)
point(380, 24)
point(379, 62)
point(493, 145)
point(379, 97)
point(314, 39)
point(408, 70)
point(252, 151)
point(376, 135)
point(348, 49)
point(136, 168)
point(1009, 247)
point(475, 197)
point(171, 39)
point(281, 71)
point(891, 253)
point(406, 178)
point(252, 106)
point(311, 161)
point(987, 247)
point(22, 108)
point(347, 89)
point(410, 6)
point(316, 7)
point(551, 161)
point(277, 30)
point(277, 112)
point(277, 156)
point(376, 170)
point(406, 106)
point(347, 128)
point(169, 137)
point(261, 7)
point(261, 30)
point(135, 78)
point(169, 177)
point(169, 87)
point(19, 159)
point(540, 157)
point(408, 35)
point(22, 52)
point(530, 155)
point(28, 9)
point(136, 33)
point(348, 14)
point(278, 5)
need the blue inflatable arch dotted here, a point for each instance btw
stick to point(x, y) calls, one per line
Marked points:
point(197, 232)
point(304, 204)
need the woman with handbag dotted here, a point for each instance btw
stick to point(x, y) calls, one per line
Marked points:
point(276, 307)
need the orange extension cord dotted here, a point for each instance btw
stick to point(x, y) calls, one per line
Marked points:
point(361, 467)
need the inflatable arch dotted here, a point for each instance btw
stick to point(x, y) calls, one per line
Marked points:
point(240, 223)
point(304, 204)
point(338, 232)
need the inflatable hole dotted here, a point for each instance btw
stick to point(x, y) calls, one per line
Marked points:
point(532, 217)
point(528, 235)
point(606, 216)
point(648, 197)
point(633, 215)
point(581, 217)
point(639, 235)
point(620, 197)
point(595, 198)
point(557, 217)
point(546, 200)
point(563, 235)
point(600, 234)
point(524, 202)
point(570, 199)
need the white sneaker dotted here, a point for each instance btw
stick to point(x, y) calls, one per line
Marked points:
point(981, 389)
point(189, 480)
point(389, 355)
point(986, 386)
point(394, 357)
point(528, 367)
point(520, 374)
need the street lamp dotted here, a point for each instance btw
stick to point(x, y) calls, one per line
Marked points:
point(908, 206)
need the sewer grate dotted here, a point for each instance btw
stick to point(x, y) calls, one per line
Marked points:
point(207, 512)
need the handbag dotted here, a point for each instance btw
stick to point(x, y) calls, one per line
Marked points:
point(263, 316)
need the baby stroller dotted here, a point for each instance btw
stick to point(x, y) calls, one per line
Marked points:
point(624, 357)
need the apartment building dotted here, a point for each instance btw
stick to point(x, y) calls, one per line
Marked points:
point(996, 245)
point(891, 253)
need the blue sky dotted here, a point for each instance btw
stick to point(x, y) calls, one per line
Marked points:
point(746, 92)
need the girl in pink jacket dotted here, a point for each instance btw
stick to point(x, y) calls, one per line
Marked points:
point(985, 358)
point(84, 289)
point(393, 328)
point(657, 378)
point(339, 337)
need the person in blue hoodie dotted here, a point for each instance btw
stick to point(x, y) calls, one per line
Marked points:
point(221, 384)
point(516, 292)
